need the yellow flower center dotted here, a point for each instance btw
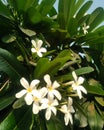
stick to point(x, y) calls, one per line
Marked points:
point(37, 49)
point(76, 83)
point(36, 99)
point(29, 89)
point(50, 88)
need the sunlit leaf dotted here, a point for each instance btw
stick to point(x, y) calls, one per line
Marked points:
point(28, 32)
point(100, 100)
point(8, 38)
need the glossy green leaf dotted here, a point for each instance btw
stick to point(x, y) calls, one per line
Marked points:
point(28, 32)
point(6, 100)
point(53, 12)
point(80, 71)
point(66, 8)
point(100, 100)
point(94, 119)
point(96, 18)
point(78, 5)
point(10, 65)
point(17, 120)
point(8, 38)
point(83, 10)
point(46, 6)
point(84, 70)
point(95, 89)
point(72, 27)
point(44, 65)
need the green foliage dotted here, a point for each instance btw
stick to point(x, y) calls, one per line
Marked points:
point(74, 41)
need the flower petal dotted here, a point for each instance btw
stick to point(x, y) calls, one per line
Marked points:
point(54, 102)
point(39, 43)
point(43, 91)
point(64, 109)
point(36, 94)
point(55, 84)
point(72, 109)
point(33, 43)
point(74, 86)
point(79, 93)
point(39, 54)
point(35, 108)
point(21, 93)
point(70, 101)
point(80, 80)
point(83, 89)
point(50, 95)
point(28, 99)
point(54, 110)
point(57, 94)
point(48, 114)
point(42, 49)
point(33, 50)
point(34, 83)
point(47, 80)
point(24, 83)
point(70, 118)
point(74, 76)
point(66, 119)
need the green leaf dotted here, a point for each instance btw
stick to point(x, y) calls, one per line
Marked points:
point(84, 70)
point(28, 32)
point(45, 6)
point(23, 5)
point(18, 103)
point(94, 119)
point(44, 65)
point(34, 15)
point(6, 101)
point(8, 38)
point(78, 5)
point(20, 119)
point(4, 11)
point(66, 8)
point(100, 100)
point(95, 90)
point(80, 71)
point(53, 12)
point(72, 27)
point(54, 124)
point(83, 10)
point(10, 65)
point(96, 18)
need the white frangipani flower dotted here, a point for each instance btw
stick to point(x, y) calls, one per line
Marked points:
point(37, 47)
point(28, 90)
point(50, 105)
point(67, 110)
point(38, 96)
point(51, 87)
point(76, 84)
point(85, 27)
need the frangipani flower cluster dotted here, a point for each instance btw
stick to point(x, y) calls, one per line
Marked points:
point(49, 98)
